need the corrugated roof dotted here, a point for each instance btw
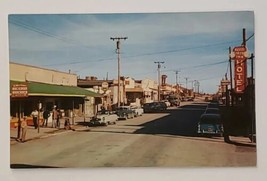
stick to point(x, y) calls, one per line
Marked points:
point(42, 89)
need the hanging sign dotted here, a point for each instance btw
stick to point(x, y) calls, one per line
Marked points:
point(240, 57)
point(19, 90)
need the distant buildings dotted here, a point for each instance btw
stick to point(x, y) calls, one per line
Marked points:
point(34, 87)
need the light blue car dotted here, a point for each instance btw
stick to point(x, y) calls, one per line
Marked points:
point(210, 124)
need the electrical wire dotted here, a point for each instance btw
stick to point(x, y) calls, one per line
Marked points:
point(70, 41)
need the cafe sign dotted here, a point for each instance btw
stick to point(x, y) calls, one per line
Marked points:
point(19, 90)
point(240, 58)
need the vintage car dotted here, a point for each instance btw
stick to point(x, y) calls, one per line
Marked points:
point(104, 118)
point(154, 107)
point(138, 111)
point(212, 111)
point(210, 124)
point(125, 112)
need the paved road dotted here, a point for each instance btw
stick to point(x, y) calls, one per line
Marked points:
point(159, 139)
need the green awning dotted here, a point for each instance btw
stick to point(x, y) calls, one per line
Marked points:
point(42, 89)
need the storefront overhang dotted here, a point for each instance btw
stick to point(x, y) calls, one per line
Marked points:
point(42, 89)
point(137, 89)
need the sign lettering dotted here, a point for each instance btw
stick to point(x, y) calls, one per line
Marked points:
point(240, 68)
point(19, 90)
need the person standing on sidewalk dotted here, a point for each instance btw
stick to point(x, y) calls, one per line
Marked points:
point(46, 115)
point(58, 121)
point(55, 117)
point(23, 129)
point(34, 117)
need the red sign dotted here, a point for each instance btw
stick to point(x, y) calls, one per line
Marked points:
point(240, 68)
point(19, 90)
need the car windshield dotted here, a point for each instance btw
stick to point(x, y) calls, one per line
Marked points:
point(210, 119)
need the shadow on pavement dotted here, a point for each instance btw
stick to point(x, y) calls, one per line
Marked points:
point(182, 122)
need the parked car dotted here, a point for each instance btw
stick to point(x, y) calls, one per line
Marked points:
point(212, 111)
point(125, 112)
point(174, 102)
point(210, 124)
point(154, 107)
point(168, 104)
point(138, 111)
point(213, 105)
point(190, 99)
point(104, 118)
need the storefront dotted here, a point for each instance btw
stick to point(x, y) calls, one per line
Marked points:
point(68, 99)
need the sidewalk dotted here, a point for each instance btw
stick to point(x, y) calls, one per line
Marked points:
point(44, 132)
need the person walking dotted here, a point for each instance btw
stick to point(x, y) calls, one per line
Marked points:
point(46, 115)
point(55, 117)
point(34, 115)
point(23, 129)
point(58, 116)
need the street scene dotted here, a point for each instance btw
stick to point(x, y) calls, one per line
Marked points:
point(132, 90)
point(157, 139)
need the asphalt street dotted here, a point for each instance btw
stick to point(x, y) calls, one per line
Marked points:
point(165, 139)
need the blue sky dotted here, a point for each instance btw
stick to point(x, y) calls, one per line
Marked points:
point(196, 44)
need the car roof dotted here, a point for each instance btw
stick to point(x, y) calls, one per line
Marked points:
point(212, 108)
point(210, 118)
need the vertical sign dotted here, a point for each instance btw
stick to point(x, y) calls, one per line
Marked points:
point(240, 57)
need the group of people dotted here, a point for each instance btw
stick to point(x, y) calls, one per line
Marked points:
point(46, 115)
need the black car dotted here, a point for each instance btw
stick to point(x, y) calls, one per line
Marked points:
point(154, 107)
point(125, 112)
point(213, 105)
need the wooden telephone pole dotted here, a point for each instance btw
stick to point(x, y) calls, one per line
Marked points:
point(118, 52)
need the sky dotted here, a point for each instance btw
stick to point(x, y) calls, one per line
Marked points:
point(194, 44)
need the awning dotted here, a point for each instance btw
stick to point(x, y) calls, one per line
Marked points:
point(42, 89)
point(136, 89)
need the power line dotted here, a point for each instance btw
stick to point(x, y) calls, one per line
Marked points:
point(46, 33)
point(198, 66)
point(70, 41)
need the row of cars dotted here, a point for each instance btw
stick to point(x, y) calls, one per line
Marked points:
point(161, 105)
point(210, 122)
point(105, 117)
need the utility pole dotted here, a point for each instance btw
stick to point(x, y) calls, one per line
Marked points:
point(186, 79)
point(176, 81)
point(159, 78)
point(231, 78)
point(118, 52)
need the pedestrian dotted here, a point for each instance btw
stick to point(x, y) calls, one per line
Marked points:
point(67, 124)
point(46, 115)
point(34, 115)
point(23, 129)
point(58, 116)
point(55, 116)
